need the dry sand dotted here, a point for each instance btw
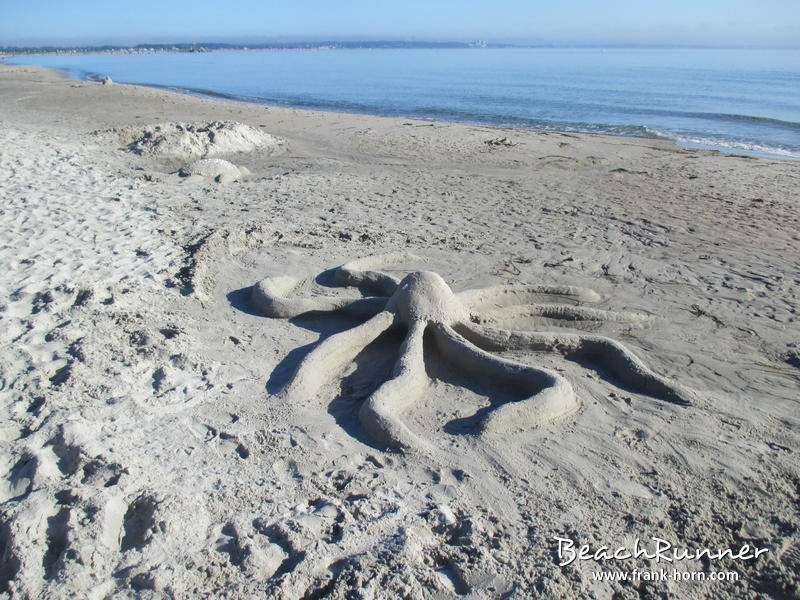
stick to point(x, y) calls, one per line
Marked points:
point(149, 450)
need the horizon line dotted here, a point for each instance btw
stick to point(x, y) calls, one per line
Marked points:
point(377, 43)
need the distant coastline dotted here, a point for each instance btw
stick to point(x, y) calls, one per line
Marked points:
point(329, 45)
point(216, 46)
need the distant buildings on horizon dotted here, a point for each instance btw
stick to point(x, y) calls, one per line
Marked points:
point(215, 46)
point(325, 45)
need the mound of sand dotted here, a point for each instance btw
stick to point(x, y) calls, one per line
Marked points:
point(217, 169)
point(197, 140)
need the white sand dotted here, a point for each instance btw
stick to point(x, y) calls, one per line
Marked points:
point(148, 448)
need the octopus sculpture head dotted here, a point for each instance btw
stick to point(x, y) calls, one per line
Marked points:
point(425, 297)
point(467, 326)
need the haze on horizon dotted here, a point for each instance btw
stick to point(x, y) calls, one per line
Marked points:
point(738, 23)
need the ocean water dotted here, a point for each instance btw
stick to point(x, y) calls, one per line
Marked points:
point(740, 101)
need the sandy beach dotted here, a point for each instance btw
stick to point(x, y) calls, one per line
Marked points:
point(163, 437)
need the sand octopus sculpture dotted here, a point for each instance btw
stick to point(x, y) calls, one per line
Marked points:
point(465, 328)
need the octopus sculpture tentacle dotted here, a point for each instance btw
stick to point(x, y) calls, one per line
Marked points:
point(466, 329)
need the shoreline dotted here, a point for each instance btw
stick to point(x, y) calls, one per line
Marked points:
point(95, 79)
point(636, 131)
point(149, 446)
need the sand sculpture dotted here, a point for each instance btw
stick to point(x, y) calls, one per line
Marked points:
point(465, 334)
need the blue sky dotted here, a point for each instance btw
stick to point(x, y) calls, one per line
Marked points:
point(602, 22)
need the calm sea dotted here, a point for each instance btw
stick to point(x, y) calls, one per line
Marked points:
point(742, 101)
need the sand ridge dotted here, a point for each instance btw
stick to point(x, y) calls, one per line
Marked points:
point(146, 449)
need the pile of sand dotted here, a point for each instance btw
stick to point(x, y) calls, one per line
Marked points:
point(217, 169)
point(197, 140)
